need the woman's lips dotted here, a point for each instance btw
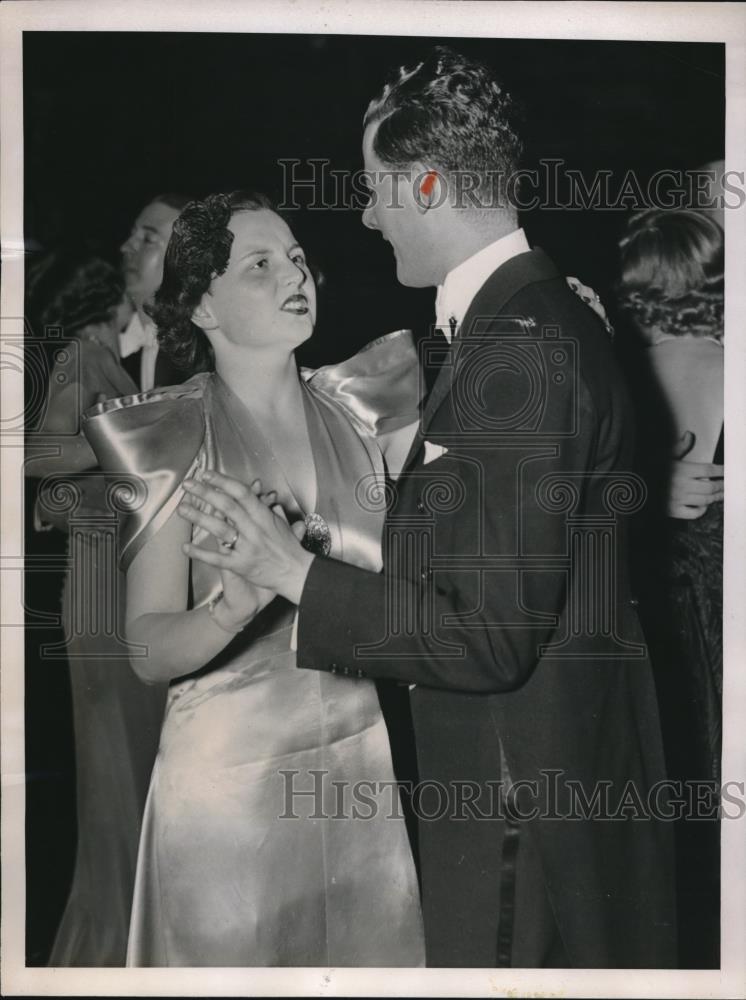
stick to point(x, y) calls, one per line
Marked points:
point(297, 304)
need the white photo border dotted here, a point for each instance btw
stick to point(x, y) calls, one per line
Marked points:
point(692, 22)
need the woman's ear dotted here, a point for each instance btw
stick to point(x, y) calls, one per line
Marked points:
point(203, 316)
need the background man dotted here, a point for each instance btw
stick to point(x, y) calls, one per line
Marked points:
point(142, 264)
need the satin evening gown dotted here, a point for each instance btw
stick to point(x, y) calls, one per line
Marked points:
point(273, 835)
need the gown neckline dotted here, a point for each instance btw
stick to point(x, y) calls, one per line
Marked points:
point(236, 408)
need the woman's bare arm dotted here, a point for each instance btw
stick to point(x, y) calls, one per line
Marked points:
point(178, 641)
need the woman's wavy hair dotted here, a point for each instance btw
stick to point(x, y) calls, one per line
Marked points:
point(71, 288)
point(198, 252)
point(451, 112)
point(672, 273)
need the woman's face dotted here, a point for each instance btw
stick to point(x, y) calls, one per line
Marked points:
point(266, 296)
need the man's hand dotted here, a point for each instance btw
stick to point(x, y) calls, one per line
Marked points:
point(256, 543)
point(692, 486)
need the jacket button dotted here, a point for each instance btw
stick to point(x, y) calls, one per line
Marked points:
point(634, 602)
point(360, 673)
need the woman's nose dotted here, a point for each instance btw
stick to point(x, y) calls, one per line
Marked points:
point(296, 275)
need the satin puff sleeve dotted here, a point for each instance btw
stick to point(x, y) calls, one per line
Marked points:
point(379, 387)
point(150, 442)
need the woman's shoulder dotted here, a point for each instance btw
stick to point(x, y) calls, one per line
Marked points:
point(378, 389)
point(149, 443)
point(688, 346)
point(162, 428)
point(680, 357)
point(140, 404)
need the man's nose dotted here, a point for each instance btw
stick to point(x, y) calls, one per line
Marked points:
point(369, 216)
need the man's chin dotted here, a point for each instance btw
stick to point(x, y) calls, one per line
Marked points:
point(408, 279)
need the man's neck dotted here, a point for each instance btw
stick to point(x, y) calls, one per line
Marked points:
point(467, 238)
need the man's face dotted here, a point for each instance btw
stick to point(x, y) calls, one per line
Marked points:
point(144, 250)
point(395, 212)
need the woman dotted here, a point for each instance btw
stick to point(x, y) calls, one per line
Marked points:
point(242, 862)
point(672, 288)
point(116, 717)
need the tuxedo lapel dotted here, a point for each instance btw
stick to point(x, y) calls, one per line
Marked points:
point(498, 289)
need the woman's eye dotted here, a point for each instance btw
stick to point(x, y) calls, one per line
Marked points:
point(260, 264)
point(299, 259)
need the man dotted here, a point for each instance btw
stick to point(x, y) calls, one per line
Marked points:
point(530, 682)
point(142, 264)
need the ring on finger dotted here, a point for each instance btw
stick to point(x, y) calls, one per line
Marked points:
point(232, 543)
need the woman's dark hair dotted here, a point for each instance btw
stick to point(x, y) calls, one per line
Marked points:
point(451, 112)
point(672, 273)
point(71, 288)
point(198, 252)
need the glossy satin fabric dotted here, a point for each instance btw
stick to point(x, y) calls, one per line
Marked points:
point(116, 721)
point(378, 389)
point(237, 866)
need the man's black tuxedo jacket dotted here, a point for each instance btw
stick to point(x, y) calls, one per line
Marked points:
point(517, 569)
point(166, 373)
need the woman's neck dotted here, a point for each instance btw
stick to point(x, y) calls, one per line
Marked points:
point(264, 381)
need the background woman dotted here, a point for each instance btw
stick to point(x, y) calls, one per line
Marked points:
point(116, 717)
point(242, 862)
point(672, 288)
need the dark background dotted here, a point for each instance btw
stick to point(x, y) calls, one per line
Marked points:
point(110, 119)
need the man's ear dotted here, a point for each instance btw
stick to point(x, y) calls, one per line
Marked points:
point(430, 188)
point(203, 316)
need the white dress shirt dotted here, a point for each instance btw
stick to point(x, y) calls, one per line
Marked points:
point(141, 335)
point(455, 295)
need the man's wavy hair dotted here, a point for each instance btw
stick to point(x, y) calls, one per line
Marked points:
point(672, 273)
point(450, 112)
point(198, 252)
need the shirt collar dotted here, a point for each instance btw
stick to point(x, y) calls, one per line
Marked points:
point(137, 335)
point(455, 295)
